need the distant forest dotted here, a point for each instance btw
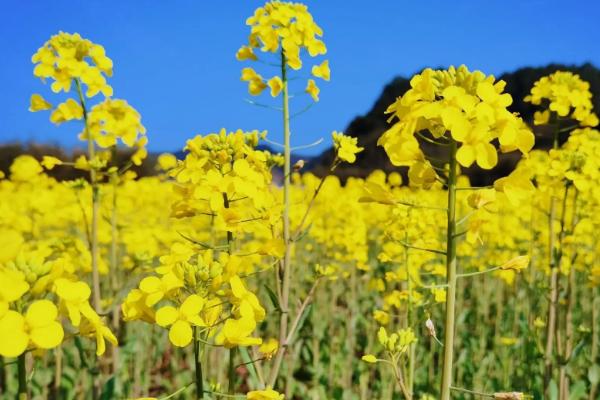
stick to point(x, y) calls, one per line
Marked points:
point(370, 126)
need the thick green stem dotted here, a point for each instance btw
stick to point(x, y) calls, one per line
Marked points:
point(198, 367)
point(22, 372)
point(287, 273)
point(450, 277)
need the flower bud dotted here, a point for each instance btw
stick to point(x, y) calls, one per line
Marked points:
point(430, 327)
point(298, 165)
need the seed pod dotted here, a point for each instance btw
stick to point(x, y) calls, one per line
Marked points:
point(508, 395)
point(430, 327)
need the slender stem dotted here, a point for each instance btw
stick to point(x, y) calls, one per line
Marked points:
point(229, 396)
point(310, 205)
point(231, 371)
point(571, 298)
point(231, 368)
point(473, 392)
point(422, 248)
point(400, 380)
point(296, 321)
point(198, 367)
point(409, 316)
point(450, 277)
point(477, 272)
point(285, 285)
point(404, 203)
point(58, 359)
point(114, 271)
point(595, 296)
point(22, 372)
point(176, 392)
point(96, 298)
point(552, 313)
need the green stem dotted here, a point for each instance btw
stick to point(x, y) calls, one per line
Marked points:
point(176, 392)
point(450, 277)
point(285, 286)
point(409, 316)
point(477, 272)
point(22, 372)
point(552, 312)
point(114, 271)
point(231, 368)
point(473, 392)
point(198, 367)
point(95, 204)
point(231, 371)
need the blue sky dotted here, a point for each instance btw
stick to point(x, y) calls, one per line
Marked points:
point(175, 60)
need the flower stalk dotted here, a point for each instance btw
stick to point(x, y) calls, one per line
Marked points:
point(287, 277)
point(95, 204)
point(451, 277)
point(22, 372)
point(198, 367)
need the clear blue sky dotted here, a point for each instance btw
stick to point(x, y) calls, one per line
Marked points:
point(175, 60)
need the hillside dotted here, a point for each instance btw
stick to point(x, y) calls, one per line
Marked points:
point(370, 126)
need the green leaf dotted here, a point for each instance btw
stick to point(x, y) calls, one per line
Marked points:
point(553, 390)
point(577, 391)
point(108, 391)
point(594, 374)
point(303, 317)
point(250, 366)
point(273, 298)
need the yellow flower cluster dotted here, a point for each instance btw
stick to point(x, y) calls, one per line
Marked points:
point(284, 24)
point(287, 28)
point(67, 57)
point(223, 185)
point(345, 147)
point(44, 284)
point(455, 105)
point(114, 119)
point(566, 95)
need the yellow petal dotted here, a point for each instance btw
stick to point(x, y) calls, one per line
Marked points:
point(465, 155)
point(13, 338)
point(322, 71)
point(487, 156)
point(150, 284)
point(276, 85)
point(180, 334)
point(41, 313)
point(192, 305)
point(312, 89)
point(48, 336)
point(37, 103)
point(166, 316)
point(237, 287)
